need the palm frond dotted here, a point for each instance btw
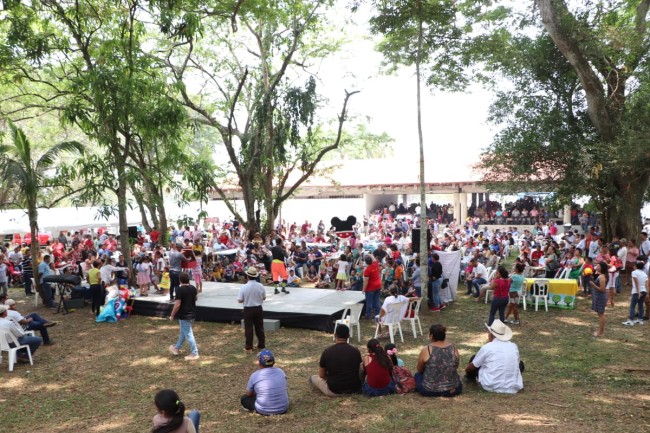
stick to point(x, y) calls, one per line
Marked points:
point(48, 158)
point(22, 148)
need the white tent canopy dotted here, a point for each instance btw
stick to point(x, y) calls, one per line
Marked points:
point(57, 219)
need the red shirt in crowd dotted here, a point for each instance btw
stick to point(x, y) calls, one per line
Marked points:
point(374, 279)
point(154, 235)
point(501, 288)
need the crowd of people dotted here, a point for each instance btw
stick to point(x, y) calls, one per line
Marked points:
point(524, 211)
point(377, 259)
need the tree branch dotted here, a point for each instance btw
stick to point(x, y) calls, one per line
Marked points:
point(312, 165)
point(557, 19)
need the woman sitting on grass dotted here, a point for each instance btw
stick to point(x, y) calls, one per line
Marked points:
point(378, 368)
point(437, 367)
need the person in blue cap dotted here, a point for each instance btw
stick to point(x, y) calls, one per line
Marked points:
point(266, 391)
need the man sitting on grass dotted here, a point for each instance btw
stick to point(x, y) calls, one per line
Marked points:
point(339, 367)
point(497, 365)
point(266, 392)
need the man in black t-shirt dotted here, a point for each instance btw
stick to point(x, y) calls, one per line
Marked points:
point(380, 253)
point(339, 367)
point(184, 310)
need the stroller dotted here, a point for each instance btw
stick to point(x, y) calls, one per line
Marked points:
point(69, 290)
point(15, 276)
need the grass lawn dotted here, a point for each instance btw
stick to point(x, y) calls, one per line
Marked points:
point(103, 377)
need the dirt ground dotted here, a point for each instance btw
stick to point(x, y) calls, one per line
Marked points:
point(102, 377)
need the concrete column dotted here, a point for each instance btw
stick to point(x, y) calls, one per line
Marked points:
point(456, 204)
point(404, 201)
point(463, 207)
point(567, 214)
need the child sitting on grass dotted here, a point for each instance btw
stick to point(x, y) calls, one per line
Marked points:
point(171, 414)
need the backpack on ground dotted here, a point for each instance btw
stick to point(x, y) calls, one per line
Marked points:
point(404, 381)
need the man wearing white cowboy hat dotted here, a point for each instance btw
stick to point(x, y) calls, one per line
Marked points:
point(252, 295)
point(497, 364)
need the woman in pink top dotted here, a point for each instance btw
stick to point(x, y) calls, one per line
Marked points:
point(630, 260)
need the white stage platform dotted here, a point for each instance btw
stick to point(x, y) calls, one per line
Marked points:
point(303, 308)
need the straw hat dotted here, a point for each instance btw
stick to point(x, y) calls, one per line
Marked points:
point(252, 272)
point(500, 330)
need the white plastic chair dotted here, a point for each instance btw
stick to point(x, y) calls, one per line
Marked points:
point(393, 319)
point(563, 273)
point(350, 317)
point(6, 339)
point(486, 286)
point(540, 291)
point(415, 307)
point(524, 291)
point(24, 328)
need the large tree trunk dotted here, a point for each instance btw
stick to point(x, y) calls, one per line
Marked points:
point(163, 228)
point(125, 245)
point(143, 216)
point(621, 213)
point(424, 227)
point(32, 214)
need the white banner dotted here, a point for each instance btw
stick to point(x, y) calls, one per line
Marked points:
point(450, 262)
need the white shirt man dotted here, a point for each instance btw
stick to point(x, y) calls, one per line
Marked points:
point(594, 248)
point(480, 271)
point(497, 364)
point(622, 252)
point(16, 257)
point(644, 247)
point(639, 292)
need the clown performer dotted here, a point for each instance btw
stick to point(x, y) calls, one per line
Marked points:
point(278, 267)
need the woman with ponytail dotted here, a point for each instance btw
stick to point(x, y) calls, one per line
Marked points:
point(378, 368)
point(171, 415)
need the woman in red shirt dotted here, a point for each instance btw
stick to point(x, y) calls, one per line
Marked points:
point(501, 289)
point(378, 368)
point(371, 286)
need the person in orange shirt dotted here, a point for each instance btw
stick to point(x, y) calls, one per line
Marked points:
point(399, 272)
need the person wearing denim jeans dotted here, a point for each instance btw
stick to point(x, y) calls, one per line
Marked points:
point(500, 287)
point(435, 282)
point(371, 287)
point(31, 322)
point(477, 279)
point(435, 301)
point(10, 326)
point(44, 270)
point(184, 310)
point(639, 292)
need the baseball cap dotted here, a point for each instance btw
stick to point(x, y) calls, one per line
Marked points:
point(10, 302)
point(3, 308)
point(266, 358)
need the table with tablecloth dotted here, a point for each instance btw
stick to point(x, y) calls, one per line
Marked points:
point(561, 292)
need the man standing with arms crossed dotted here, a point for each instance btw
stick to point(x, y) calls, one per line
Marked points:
point(252, 295)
